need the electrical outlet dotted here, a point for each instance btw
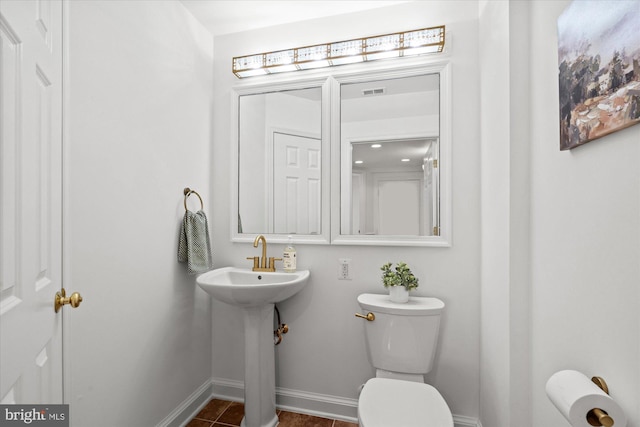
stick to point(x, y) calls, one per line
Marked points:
point(344, 269)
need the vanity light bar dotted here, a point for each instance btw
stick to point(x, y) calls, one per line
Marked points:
point(415, 42)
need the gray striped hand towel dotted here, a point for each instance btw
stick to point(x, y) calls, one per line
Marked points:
point(194, 246)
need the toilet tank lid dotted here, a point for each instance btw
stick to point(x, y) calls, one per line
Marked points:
point(416, 306)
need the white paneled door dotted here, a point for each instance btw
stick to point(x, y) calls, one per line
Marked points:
point(296, 184)
point(30, 201)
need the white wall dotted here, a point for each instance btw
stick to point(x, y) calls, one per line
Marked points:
point(585, 243)
point(505, 336)
point(323, 355)
point(252, 196)
point(138, 132)
point(560, 232)
point(495, 355)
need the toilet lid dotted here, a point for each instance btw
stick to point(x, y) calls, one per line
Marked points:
point(386, 402)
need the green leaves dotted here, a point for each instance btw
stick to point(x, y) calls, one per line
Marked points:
point(401, 276)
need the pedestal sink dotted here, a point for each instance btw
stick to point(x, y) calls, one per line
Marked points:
point(256, 293)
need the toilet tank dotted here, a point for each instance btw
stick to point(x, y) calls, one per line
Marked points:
point(403, 337)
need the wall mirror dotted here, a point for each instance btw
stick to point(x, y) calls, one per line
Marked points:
point(355, 155)
point(280, 158)
point(393, 140)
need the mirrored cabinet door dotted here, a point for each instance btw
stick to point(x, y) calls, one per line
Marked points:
point(279, 164)
point(393, 140)
point(356, 157)
point(390, 130)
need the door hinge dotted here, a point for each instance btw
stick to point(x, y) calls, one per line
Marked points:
point(435, 163)
point(436, 231)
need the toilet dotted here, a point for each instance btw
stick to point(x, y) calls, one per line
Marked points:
point(401, 343)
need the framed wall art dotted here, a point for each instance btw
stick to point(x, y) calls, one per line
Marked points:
point(599, 69)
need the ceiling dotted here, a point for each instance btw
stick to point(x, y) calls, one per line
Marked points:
point(232, 16)
point(389, 154)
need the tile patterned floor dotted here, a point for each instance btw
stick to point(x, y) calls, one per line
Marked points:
point(222, 413)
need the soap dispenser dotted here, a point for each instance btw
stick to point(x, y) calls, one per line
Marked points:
point(289, 257)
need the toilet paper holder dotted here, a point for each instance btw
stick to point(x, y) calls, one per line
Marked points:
point(596, 416)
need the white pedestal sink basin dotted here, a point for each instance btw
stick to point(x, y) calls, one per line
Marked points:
point(245, 288)
point(256, 293)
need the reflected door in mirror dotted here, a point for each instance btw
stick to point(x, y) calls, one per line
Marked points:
point(398, 207)
point(296, 184)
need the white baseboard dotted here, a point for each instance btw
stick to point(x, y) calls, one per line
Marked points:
point(188, 409)
point(228, 389)
point(302, 402)
point(462, 421)
point(321, 405)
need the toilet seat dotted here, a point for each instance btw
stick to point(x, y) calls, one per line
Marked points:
point(385, 402)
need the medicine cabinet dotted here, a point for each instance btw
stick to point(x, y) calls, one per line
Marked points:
point(351, 156)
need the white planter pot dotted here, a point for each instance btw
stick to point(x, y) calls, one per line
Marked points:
point(398, 294)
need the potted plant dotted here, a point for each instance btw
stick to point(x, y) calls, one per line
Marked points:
point(399, 281)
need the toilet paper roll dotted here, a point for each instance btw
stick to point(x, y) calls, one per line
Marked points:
point(575, 395)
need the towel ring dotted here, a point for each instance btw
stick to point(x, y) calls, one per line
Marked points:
point(187, 193)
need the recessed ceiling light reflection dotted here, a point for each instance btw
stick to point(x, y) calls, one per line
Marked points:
point(405, 160)
point(358, 162)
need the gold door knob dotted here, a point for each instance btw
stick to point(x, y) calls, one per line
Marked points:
point(370, 316)
point(61, 299)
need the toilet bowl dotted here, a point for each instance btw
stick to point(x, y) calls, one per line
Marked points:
point(401, 342)
point(397, 403)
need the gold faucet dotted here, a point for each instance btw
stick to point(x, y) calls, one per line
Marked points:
point(260, 263)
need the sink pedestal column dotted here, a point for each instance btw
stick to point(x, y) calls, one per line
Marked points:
point(259, 367)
